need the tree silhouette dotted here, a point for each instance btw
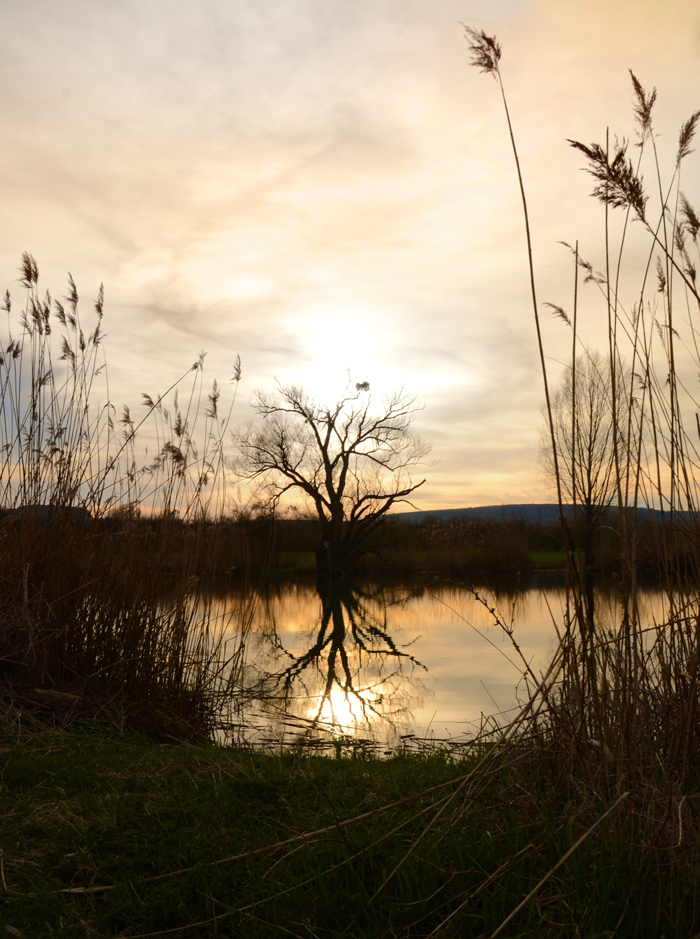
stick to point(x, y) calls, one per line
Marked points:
point(352, 463)
point(582, 417)
point(351, 661)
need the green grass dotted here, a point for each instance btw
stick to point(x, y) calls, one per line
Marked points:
point(293, 562)
point(87, 807)
point(548, 559)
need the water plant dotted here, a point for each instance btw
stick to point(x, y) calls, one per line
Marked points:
point(105, 553)
point(617, 716)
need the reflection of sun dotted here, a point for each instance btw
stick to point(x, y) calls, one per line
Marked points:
point(344, 710)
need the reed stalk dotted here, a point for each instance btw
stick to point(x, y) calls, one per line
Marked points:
point(623, 713)
point(108, 557)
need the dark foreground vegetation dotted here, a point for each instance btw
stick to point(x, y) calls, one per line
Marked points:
point(108, 835)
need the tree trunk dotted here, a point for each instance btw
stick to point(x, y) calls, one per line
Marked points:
point(334, 554)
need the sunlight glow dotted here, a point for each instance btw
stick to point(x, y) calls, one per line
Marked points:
point(339, 345)
point(344, 711)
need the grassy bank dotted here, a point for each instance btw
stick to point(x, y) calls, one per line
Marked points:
point(287, 546)
point(87, 808)
point(457, 548)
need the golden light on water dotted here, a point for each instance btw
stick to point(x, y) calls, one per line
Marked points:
point(463, 667)
point(344, 711)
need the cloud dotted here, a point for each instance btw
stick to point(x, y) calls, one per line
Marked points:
point(247, 176)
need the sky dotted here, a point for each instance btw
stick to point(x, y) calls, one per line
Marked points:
point(327, 188)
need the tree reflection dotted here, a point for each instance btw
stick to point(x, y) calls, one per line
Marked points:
point(352, 673)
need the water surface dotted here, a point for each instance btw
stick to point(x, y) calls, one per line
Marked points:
point(387, 660)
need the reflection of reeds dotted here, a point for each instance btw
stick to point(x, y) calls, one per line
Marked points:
point(87, 535)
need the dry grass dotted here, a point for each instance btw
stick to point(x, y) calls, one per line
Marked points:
point(615, 724)
point(106, 562)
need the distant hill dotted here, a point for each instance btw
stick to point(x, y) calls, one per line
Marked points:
point(538, 513)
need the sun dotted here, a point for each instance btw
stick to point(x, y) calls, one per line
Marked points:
point(341, 346)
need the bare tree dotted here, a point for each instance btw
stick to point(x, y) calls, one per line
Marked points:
point(350, 462)
point(582, 417)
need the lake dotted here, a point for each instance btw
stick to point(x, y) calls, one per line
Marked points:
point(377, 661)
